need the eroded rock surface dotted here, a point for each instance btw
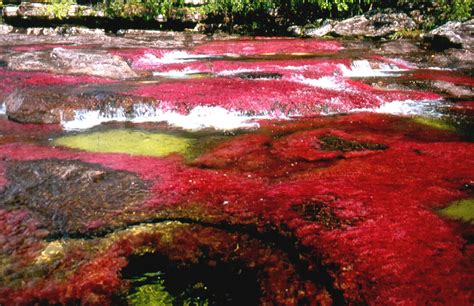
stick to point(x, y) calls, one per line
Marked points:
point(453, 34)
point(378, 24)
point(70, 61)
point(57, 104)
point(70, 196)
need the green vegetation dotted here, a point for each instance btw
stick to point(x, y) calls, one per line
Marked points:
point(150, 290)
point(461, 210)
point(59, 8)
point(255, 13)
point(434, 123)
point(128, 141)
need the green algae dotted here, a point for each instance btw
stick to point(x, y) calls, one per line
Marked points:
point(151, 292)
point(460, 210)
point(132, 142)
point(434, 123)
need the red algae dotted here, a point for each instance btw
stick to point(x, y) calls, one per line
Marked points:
point(440, 75)
point(268, 46)
point(11, 80)
point(274, 97)
point(369, 217)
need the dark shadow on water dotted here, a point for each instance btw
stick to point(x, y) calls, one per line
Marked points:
point(196, 284)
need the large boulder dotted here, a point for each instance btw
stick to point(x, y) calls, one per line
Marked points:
point(452, 34)
point(378, 24)
point(56, 104)
point(73, 61)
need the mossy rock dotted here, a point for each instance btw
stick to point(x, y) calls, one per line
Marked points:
point(132, 142)
point(460, 210)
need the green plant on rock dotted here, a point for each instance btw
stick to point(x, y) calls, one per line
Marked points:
point(59, 9)
point(146, 9)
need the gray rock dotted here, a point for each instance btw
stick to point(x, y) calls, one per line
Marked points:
point(374, 25)
point(452, 34)
point(295, 30)
point(355, 26)
point(71, 61)
point(320, 31)
point(454, 59)
point(456, 91)
point(5, 29)
point(401, 46)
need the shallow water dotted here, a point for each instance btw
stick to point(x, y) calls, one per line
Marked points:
point(306, 170)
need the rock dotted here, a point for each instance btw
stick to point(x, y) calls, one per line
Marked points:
point(454, 34)
point(97, 63)
point(38, 105)
point(372, 25)
point(69, 195)
point(453, 58)
point(5, 29)
point(35, 108)
point(295, 30)
point(355, 26)
point(453, 90)
point(401, 46)
point(72, 61)
point(321, 31)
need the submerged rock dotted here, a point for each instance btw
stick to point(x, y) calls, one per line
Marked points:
point(454, 59)
point(452, 34)
point(73, 61)
point(70, 195)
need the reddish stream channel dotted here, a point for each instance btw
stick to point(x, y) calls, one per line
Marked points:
point(245, 171)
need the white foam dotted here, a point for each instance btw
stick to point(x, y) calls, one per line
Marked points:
point(327, 82)
point(198, 118)
point(176, 74)
point(3, 109)
point(236, 71)
point(173, 57)
point(363, 69)
point(408, 107)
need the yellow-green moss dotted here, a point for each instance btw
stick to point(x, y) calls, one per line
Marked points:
point(434, 123)
point(460, 210)
point(127, 141)
point(151, 294)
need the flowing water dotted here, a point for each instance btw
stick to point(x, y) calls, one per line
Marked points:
point(231, 172)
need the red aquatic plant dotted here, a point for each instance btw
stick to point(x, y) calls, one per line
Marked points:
point(367, 212)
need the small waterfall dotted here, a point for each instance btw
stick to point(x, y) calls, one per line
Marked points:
point(363, 69)
point(428, 108)
point(200, 117)
point(3, 109)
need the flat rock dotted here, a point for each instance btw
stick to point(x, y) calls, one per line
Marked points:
point(37, 105)
point(401, 46)
point(454, 59)
point(72, 61)
point(454, 34)
point(69, 195)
